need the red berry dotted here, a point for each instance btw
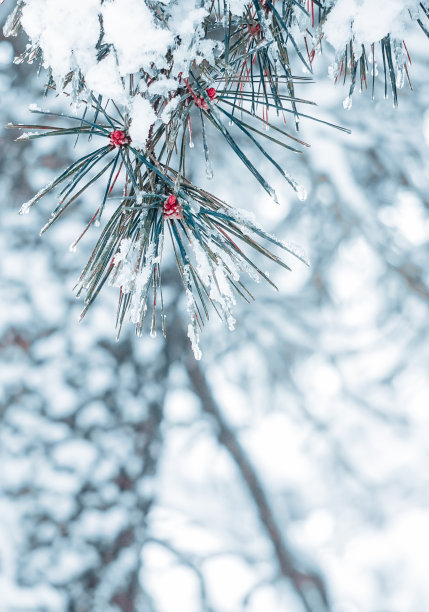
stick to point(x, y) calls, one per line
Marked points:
point(118, 138)
point(172, 208)
point(201, 102)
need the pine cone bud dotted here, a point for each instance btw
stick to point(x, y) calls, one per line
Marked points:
point(119, 138)
point(172, 208)
point(201, 101)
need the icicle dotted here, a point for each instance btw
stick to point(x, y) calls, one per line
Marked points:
point(25, 208)
point(11, 27)
point(209, 169)
point(191, 142)
point(195, 339)
point(347, 103)
point(301, 192)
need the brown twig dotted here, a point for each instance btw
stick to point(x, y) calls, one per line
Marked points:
point(308, 585)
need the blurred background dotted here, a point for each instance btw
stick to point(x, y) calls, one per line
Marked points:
point(294, 457)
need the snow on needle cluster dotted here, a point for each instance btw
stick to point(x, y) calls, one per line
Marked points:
point(140, 75)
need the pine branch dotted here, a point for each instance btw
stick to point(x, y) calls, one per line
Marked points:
point(229, 73)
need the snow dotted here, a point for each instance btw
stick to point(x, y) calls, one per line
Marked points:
point(139, 42)
point(23, 598)
point(143, 117)
point(104, 78)
point(194, 337)
point(169, 109)
point(108, 523)
point(366, 21)
point(76, 455)
point(325, 387)
point(67, 32)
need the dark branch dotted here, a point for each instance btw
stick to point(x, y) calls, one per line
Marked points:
point(308, 585)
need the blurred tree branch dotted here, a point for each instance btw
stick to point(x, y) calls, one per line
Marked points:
point(306, 583)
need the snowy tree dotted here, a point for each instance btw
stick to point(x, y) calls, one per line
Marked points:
point(282, 472)
point(142, 94)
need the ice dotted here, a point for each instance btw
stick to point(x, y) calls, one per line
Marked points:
point(195, 340)
point(301, 192)
point(347, 103)
point(26, 136)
